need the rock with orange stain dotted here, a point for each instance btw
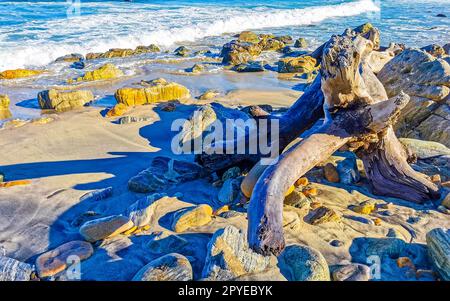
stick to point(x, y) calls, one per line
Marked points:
point(310, 192)
point(330, 173)
point(377, 221)
point(118, 110)
point(302, 182)
point(14, 183)
point(405, 262)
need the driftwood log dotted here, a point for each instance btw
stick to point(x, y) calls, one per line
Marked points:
point(357, 114)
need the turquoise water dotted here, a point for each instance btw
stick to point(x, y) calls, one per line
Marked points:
point(34, 33)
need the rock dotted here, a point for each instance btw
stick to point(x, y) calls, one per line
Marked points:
point(441, 16)
point(147, 49)
point(287, 50)
point(142, 211)
point(348, 171)
point(249, 67)
point(302, 64)
point(117, 52)
point(209, 94)
point(427, 80)
point(70, 58)
point(133, 119)
point(425, 149)
point(107, 71)
point(298, 200)
point(351, 272)
point(118, 110)
point(197, 125)
point(438, 242)
point(168, 107)
point(19, 73)
point(105, 227)
point(303, 263)
point(182, 51)
point(197, 68)
point(93, 55)
point(78, 65)
point(271, 45)
point(434, 50)
point(285, 39)
point(55, 261)
point(446, 201)
point(256, 111)
point(378, 59)
point(231, 214)
point(229, 191)
point(164, 243)
point(97, 195)
point(14, 270)
point(311, 192)
point(5, 113)
point(300, 43)
point(163, 173)
point(248, 37)
point(331, 174)
point(323, 215)
point(447, 48)
point(64, 100)
point(231, 173)
point(235, 52)
point(170, 267)
point(336, 243)
point(157, 90)
point(192, 217)
point(228, 256)
point(366, 207)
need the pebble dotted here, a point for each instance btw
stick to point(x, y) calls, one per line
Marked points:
point(324, 215)
point(192, 217)
point(336, 243)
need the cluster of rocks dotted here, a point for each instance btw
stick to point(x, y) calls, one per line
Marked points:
point(123, 52)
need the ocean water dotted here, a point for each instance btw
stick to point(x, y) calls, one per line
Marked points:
point(34, 33)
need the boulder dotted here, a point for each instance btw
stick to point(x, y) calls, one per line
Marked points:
point(64, 100)
point(425, 149)
point(248, 37)
point(229, 191)
point(118, 110)
point(427, 80)
point(154, 91)
point(330, 173)
point(249, 67)
point(55, 261)
point(14, 270)
point(286, 39)
point(302, 64)
point(105, 227)
point(438, 242)
point(182, 51)
point(192, 217)
point(350, 272)
point(19, 73)
point(434, 50)
point(209, 94)
point(107, 71)
point(303, 263)
point(70, 58)
point(235, 52)
point(228, 256)
point(142, 211)
point(147, 49)
point(323, 215)
point(170, 267)
point(5, 113)
point(300, 43)
point(348, 171)
point(271, 45)
point(197, 68)
point(163, 173)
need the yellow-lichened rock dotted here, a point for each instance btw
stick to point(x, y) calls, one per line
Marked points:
point(154, 91)
point(19, 73)
point(118, 110)
point(302, 64)
point(195, 217)
point(364, 208)
point(107, 71)
point(4, 107)
point(64, 100)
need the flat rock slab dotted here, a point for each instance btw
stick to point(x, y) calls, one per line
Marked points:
point(57, 260)
point(170, 267)
point(105, 227)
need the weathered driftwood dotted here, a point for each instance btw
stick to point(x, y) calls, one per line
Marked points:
point(357, 113)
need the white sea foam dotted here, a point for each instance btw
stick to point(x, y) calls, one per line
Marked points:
point(119, 26)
